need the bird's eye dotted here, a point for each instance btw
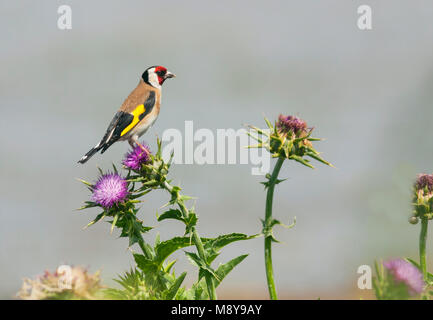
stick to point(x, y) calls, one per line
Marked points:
point(160, 73)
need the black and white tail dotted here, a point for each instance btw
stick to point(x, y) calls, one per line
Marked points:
point(120, 121)
point(89, 154)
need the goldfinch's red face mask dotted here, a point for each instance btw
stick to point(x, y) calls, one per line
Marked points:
point(163, 74)
point(155, 76)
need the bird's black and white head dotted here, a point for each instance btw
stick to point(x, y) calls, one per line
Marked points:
point(156, 75)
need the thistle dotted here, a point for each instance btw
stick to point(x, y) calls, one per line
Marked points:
point(289, 138)
point(154, 277)
point(397, 279)
point(423, 210)
point(77, 284)
point(151, 170)
point(290, 125)
point(405, 273)
point(136, 157)
point(423, 196)
point(109, 190)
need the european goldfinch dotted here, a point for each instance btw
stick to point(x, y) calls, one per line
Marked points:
point(137, 113)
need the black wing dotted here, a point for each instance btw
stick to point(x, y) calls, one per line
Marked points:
point(122, 120)
point(148, 105)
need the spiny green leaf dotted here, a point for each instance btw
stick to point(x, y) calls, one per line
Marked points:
point(146, 265)
point(171, 214)
point(85, 182)
point(157, 239)
point(222, 241)
point(265, 183)
point(88, 204)
point(197, 291)
point(186, 198)
point(151, 183)
point(171, 293)
point(190, 222)
point(221, 272)
point(138, 195)
point(301, 160)
point(158, 143)
point(277, 181)
point(166, 248)
point(213, 246)
point(171, 159)
point(202, 265)
point(116, 217)
point(260, 131)
point(260, 145)
point(195, 259)
point(318, 158)
point(268, 123)
point(98, 217)
point(169, 265)
point(255, 137)
point(132, 228)
point(224, 269)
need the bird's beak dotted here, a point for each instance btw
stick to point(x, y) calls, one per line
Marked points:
point(169, 75)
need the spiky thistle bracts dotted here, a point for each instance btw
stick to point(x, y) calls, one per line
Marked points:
point(288, 138)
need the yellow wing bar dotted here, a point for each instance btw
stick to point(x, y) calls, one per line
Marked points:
point(140, 109)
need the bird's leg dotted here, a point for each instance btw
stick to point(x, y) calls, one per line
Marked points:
point(138, 144)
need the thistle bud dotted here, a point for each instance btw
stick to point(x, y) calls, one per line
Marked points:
point(289, 138)
point(423, 196)
point(424, 184)
point(413, 220)
point(288, 125)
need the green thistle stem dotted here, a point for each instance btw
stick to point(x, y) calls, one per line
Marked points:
point(197, 242)
point(268, 238)
point(422, 247)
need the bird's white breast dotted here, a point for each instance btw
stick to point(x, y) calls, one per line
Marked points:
point(145, 124)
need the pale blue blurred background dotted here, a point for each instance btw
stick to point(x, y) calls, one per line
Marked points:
point(369, 93)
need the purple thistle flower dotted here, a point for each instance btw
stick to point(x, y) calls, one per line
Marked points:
point(285, 124)
point(110, 189)
point(424, 180)
point(406, 273)
point(136, 157)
